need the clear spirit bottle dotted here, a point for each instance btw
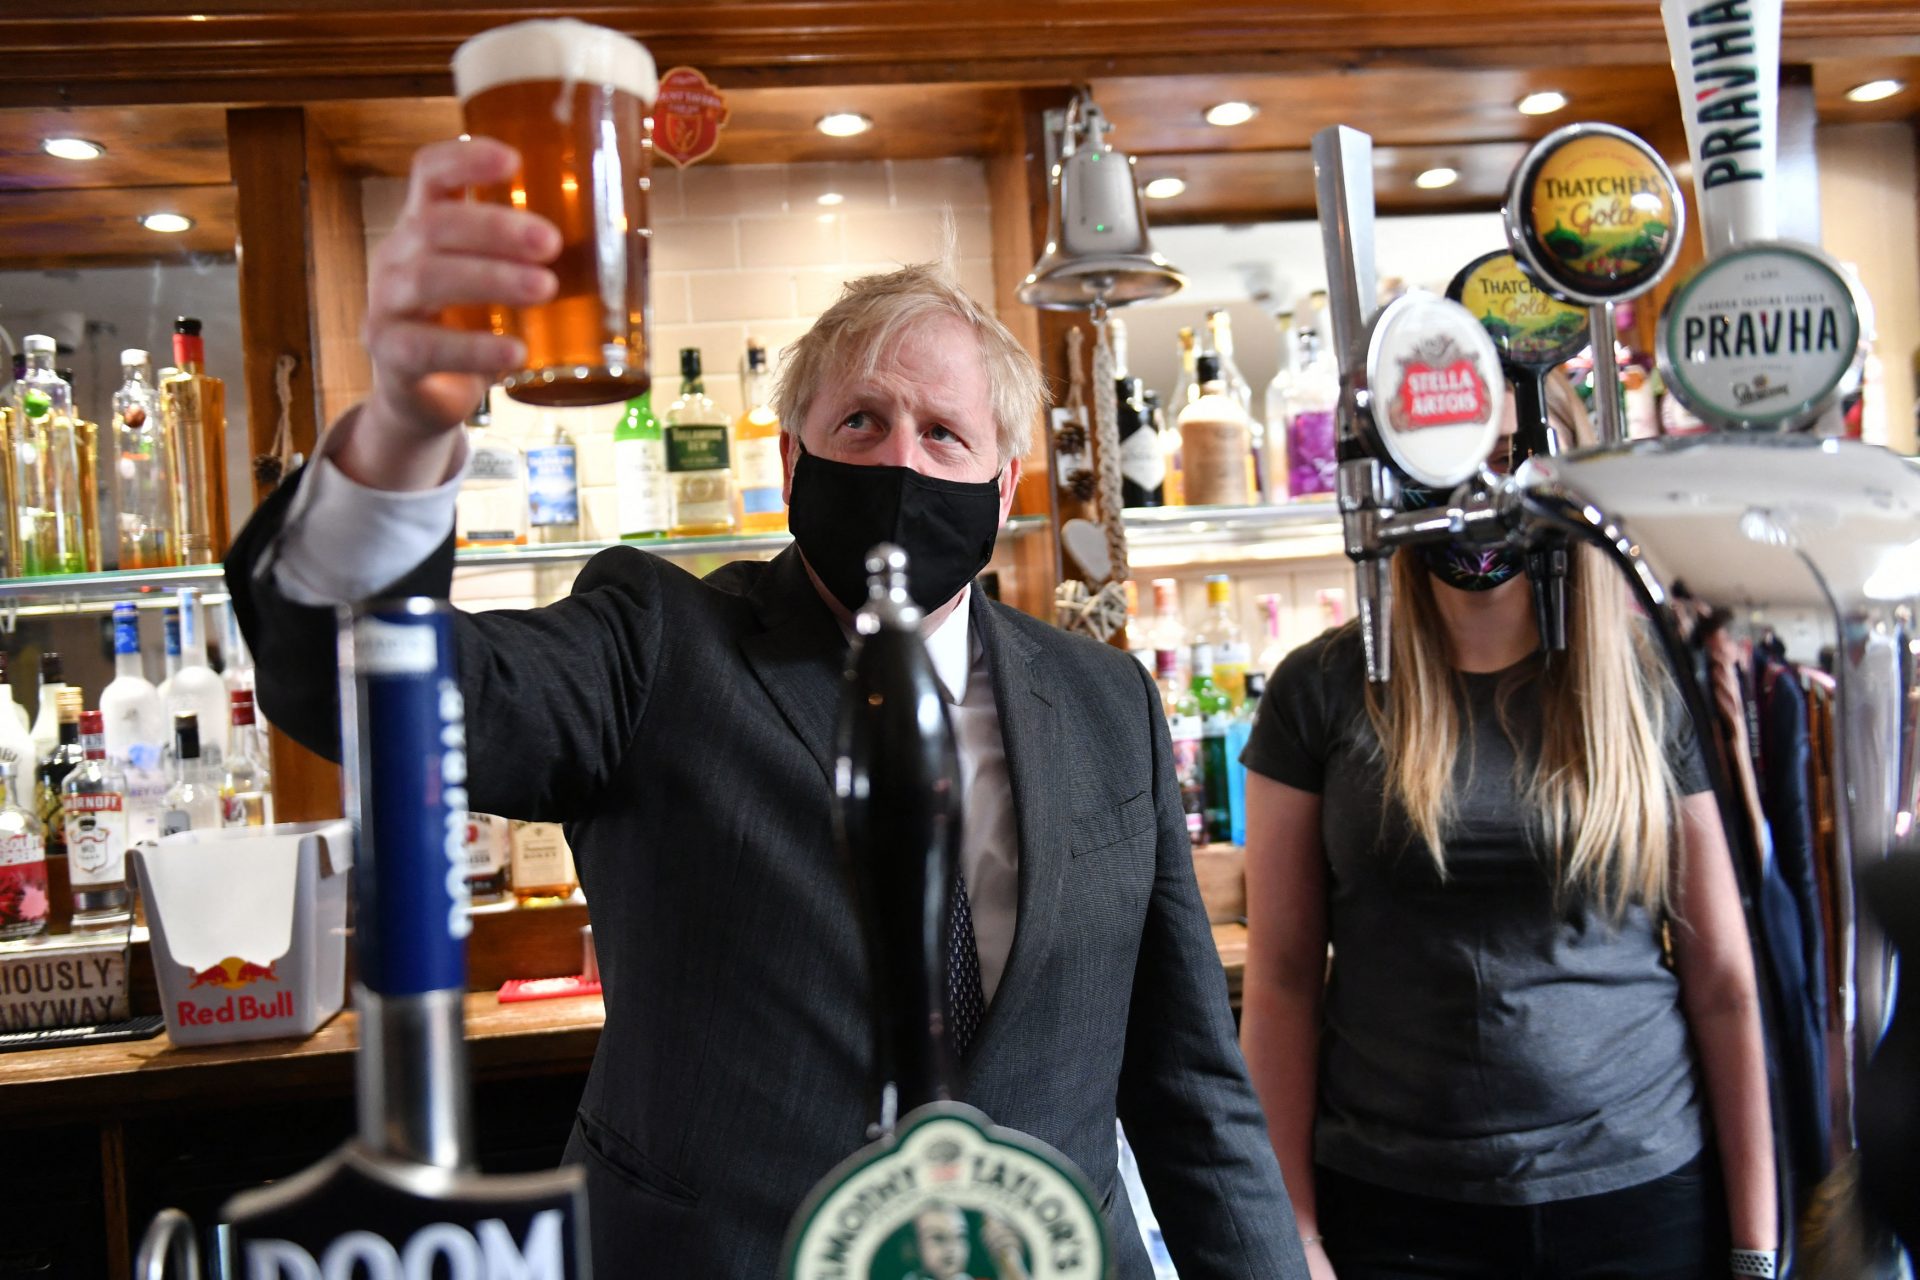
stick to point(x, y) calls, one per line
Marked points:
point(135, 722)
point(94, 807)
point(1221, 629)
point(24, 901)
point(49, 526)
point(246, 783)
point(699, 460)
point(192, 802)
point(756, 446)
point(146, 476)
point(196, 686)
point(645, 501)
point(193, 405)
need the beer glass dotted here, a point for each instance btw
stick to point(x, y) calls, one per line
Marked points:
point(573, 99)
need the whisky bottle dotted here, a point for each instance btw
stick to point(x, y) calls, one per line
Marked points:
point(49, 528)
point(543, 874)
point(699, 459)
point(488, 855)
point(645, 501)
point(1214, 442)
point(246, 783)
point(145, 475)
point(54, 768)
point(94, 808)
point(756, 445)
point(193, 406)
point(491, 509)
point(24, 902)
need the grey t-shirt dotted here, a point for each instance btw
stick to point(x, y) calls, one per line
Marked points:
point(1481, 1042)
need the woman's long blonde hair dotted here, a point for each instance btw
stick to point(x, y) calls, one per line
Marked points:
point(1602, 789)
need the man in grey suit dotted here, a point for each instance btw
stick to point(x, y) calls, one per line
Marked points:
point(682, 729)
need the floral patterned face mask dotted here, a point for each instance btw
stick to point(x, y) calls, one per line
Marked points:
point(1466, 568)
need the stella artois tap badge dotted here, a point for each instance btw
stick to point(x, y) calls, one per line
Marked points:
point(1433, 393)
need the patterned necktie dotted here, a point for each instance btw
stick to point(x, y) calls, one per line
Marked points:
point(966, 1001)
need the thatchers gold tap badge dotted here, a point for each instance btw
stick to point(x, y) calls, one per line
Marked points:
point(950, 1197)
point(1528, 327)
point(1597, 214)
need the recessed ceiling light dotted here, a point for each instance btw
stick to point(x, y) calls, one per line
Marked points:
point(843, 124)
point(71, 148)
point(1164, 188)
point(1875, 90)
point(196, 17)
point(166, 223)
point(1543, 103)
point(829, 197)
point(1434, 179)
point(1227, 114)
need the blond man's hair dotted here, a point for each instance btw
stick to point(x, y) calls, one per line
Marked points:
point(875, 312)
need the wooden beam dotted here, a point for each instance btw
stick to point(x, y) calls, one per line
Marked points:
point(302, 299)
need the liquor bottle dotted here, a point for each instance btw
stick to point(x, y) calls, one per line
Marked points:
point(11, 419)
point(192, 802)
point(24, 900)
point(196, 686)
point(246, 783)
point(1186, 389)
point(236, 660)
point(645, 501)
point(553, 484)
point(1215, 709)
point(86, 445)
point(1168, 632)
point(1184, 725)
point(1276, 468)
point(1221, 629)
point(699, 461)
point(54, 768)
point(1139, 642)
point(169, 652)
point(49, 532)
point(193, 405)
point(1143, 468)
point(491, 509)
point(1272, 650)
point(145, 475)
point(543, 874)
point(487, 858)
point(1215, 438)
point(1238, 734)
point(135, 723)
point(1220, 338)
point(46, 715)
point(16, 727)
point(756, 449)
point(94, 807)
point(1312, 403)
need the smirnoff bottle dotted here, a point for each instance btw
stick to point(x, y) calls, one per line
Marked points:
point(246, 787)
point(94, 807)
point(146, 476)
point(24, 903)
point(192, 803)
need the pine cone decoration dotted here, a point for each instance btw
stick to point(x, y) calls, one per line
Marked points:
point(1082, 485)
point(1070, 438)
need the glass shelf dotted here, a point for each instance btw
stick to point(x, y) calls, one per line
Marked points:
point(1176, 537)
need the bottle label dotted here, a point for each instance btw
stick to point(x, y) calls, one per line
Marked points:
point(697, 447)
point(1312, 453)
point(1202, 661)
point(1231, 655)
point(489, 462)
point(640, 475)
point(486, 845)
point(553, 485)
point(540, 856)
point(1141, 460)
point(1217, 454)
point(760, 475)
point(21, 848)
point(96, 839)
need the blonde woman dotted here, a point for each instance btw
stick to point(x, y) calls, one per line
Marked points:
point(1501, 1074)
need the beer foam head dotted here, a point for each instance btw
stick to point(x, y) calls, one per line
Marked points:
point(554, 49)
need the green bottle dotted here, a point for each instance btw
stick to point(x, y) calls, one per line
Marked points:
point(645, 505)
point(1215, 707)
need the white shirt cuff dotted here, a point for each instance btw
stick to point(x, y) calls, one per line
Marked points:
point(343, 541)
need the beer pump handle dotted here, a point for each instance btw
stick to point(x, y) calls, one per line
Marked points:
point(1547, 563)
point(1367, 491)
point(896, 817)
point(1610, 414)
point(1343, 190)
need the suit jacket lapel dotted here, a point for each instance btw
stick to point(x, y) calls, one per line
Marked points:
point(798, 659)
point(1030, 733)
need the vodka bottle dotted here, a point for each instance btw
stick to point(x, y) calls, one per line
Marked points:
point(196, 687)
point(135, 724)
point(94, 808)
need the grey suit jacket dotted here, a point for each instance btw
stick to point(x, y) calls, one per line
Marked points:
point(683, 730)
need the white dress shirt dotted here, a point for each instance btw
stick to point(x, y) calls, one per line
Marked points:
point(344, 541)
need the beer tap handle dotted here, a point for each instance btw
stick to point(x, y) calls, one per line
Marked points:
point(1547, 568)
point(1367, 493)
point(1343, 190)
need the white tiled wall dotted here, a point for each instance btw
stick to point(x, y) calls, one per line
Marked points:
point(750, 250)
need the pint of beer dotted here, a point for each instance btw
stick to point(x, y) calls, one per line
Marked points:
point(573, 99)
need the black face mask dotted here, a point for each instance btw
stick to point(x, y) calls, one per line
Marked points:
point(1467, 568)
point(841, 511)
